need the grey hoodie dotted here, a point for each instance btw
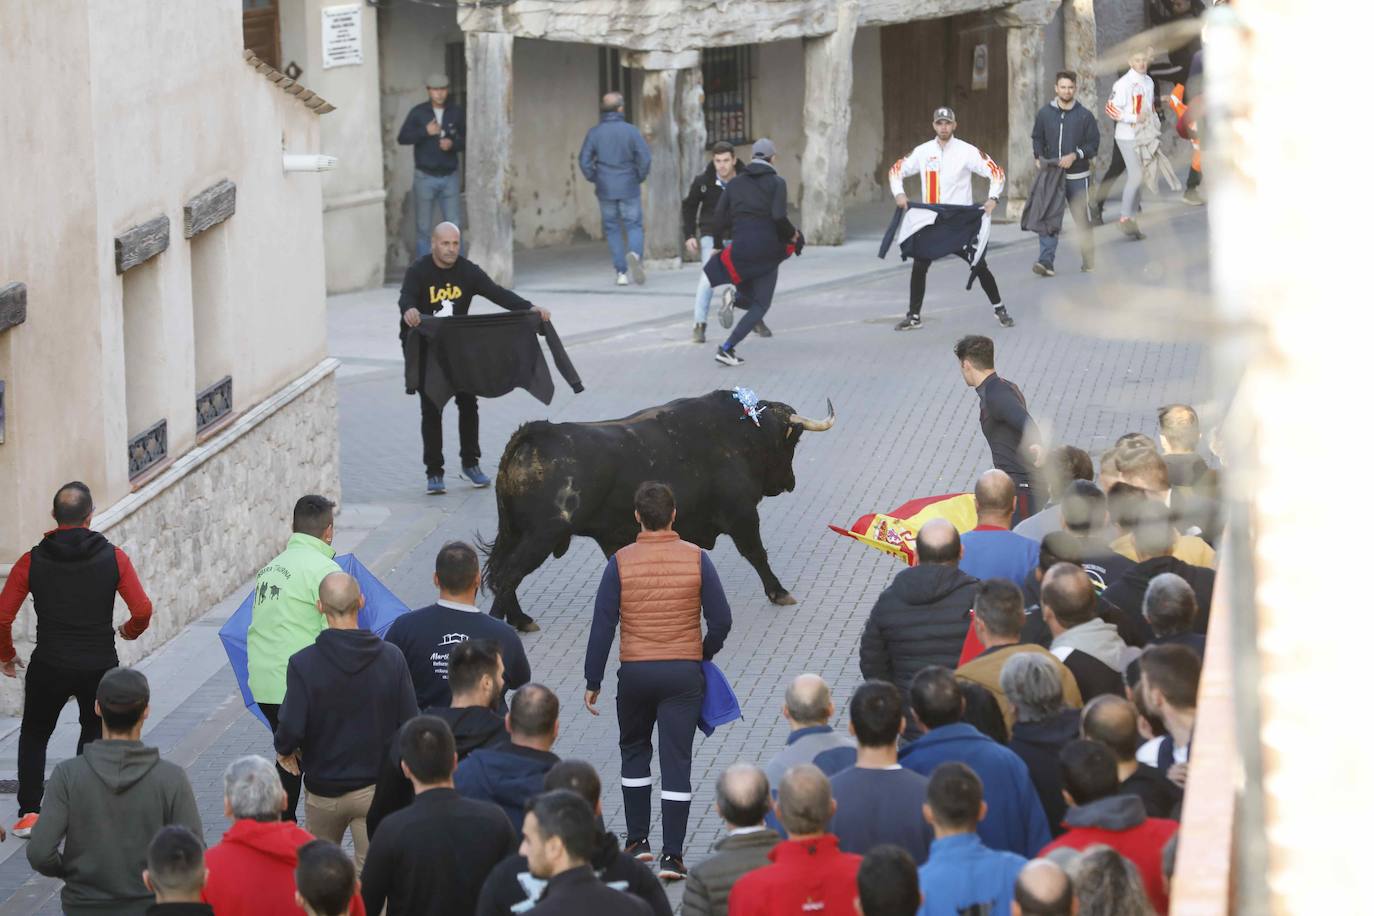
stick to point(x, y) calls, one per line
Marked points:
point(1100, 640)
point(107, 804)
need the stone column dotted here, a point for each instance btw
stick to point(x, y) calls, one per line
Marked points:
point(691, 127)
point(1026, 92)
point(490, 233)
point(658, 121)
point(829, 66)
point(1080, 48)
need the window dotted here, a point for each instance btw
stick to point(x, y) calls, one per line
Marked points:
point(725, 77)
point(212, 326)
point(616, 78)
point(145, 367)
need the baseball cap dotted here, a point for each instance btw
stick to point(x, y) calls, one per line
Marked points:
point(763, 148)
point(436, 81)
point(944, 113)
point(122, 689)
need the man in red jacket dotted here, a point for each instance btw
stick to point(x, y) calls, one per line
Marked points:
point(1099, 814)
point(809, 874)
point(252, 869)
point(73, 575)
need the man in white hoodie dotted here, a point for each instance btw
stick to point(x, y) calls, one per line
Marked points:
point(1131, 102)
point(1086, 644)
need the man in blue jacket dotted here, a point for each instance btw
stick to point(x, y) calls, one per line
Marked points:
point(435, 128)
point(1065, 136)
point(962, 875)
point(615, 158)
point(512, 774)
point(1015, 820)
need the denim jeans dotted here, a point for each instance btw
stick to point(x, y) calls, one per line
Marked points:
point(427, 191)
point(622, 215)
point(703, 303)
point(1077, 191)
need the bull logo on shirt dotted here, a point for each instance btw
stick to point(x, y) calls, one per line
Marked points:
point(438, 294)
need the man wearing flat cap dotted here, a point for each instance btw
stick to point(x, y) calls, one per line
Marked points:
point(435, 128)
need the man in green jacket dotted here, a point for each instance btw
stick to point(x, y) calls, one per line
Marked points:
point(285, 618)
point(102, 809)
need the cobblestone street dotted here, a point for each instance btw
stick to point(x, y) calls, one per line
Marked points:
point(907, 426)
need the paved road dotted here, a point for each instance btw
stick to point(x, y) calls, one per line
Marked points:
point(907, 427)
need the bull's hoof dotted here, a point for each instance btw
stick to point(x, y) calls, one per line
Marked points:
point(782, 599)
point(526, 626)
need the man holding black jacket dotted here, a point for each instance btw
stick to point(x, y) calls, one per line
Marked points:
point(442, 283)
point(1065, 136)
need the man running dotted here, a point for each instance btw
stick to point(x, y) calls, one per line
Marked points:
point(699, 215)
point(947, 166)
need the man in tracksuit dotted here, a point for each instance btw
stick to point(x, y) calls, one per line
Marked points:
point(73, 575)
point(752, 212)
point(658, 589)
point(1065, 136)
point(699, 215)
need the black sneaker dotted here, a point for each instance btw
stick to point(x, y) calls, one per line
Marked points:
point(639, 849)
point(1003, 317)
point(671, 868)
point(909, 323)
point(727, 357)
point(762, 329)
point(1040, 268)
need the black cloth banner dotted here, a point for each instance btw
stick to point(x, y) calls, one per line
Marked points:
point(484, 355)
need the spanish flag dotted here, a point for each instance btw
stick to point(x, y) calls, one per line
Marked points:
point(895, 532)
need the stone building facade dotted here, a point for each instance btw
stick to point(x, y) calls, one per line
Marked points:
point(162, 299)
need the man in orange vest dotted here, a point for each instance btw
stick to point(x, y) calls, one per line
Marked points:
point(657, 589)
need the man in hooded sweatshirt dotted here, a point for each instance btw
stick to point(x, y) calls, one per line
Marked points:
point(346, 695)
point(252, 870)
point(73, 575)
point(512, 773)
point(475, 677)
point(102, 809)
point(1088, 646)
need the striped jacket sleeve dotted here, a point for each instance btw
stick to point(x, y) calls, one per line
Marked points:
point(902, 168)
point(990, 170)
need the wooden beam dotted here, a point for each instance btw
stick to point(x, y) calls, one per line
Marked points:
point(208, 208)
point(144, 241)
point(14, 305)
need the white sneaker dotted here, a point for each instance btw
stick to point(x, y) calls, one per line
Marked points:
point(636, 268)
point(622, 280)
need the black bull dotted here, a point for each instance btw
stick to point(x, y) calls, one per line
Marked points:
point(557, 480)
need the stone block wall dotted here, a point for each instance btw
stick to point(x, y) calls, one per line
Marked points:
point(210, 521)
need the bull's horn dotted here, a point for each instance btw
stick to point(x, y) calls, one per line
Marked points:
point(815, 426)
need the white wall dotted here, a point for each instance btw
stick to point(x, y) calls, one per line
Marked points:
point(866, 176)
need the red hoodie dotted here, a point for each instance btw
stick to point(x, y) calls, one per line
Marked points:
point(253, 871)
point(807, 878)
point(1120, 822)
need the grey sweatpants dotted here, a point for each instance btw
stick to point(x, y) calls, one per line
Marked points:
point(1130, 195)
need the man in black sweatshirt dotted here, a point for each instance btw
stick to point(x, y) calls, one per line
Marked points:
point(474, 675)
point(511, 885)
point(433, 856)
point(443, 283)
point(346, 695)
point(1065, 136)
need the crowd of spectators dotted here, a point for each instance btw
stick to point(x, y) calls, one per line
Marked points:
point(1019, 742)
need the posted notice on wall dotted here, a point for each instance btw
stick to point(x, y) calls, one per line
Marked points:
point(343, 35)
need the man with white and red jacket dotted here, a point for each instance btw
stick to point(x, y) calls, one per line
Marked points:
point(73, 575)
point(947, 166)
point(657, 589)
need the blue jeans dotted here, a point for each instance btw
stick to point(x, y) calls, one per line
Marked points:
point(426, 192)
point(703, 303)
point(1076, 190)
point(626, 215)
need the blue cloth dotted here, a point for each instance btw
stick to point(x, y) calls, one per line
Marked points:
point(435, 192)
point(719, 705)
point(606, 617)
point(999, 555)
point(379, 612)
point(880, 806)
point(1016, 821)
point(962, 874)
point(622, 222)
point(615, 158)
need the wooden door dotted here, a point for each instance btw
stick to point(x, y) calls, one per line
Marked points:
point(262, 30)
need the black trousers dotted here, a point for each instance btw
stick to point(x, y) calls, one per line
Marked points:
point(1114, 171)
point(46, 690)
point(756, 295)
point(1029, 500)
point(292, 784)
point(667, 694)
point(432, 433)
point(919, 267)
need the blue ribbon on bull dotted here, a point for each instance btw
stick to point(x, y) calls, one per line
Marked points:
point(380, 610)
point(750, 402)
point(719, 704)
